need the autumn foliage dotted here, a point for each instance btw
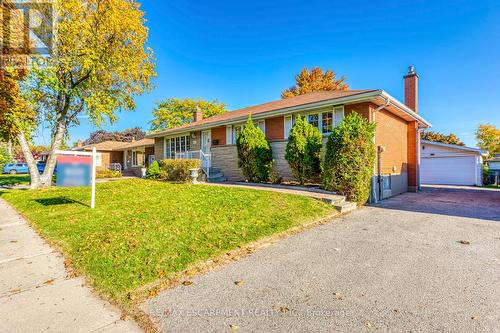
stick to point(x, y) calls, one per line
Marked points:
point(450, 139)
point(315, 80)
point(488, 138)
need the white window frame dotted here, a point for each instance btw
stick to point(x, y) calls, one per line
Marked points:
point(262, 125)
point(167, 151)
point(134, 158)
point(231, 133)
point(336, 109)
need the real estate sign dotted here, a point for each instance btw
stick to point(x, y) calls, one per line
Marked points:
point(75, 168)
point(73, 171)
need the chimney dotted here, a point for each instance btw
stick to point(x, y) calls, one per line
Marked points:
point(198, 115)
point(411, 89)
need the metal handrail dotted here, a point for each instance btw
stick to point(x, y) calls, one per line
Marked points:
point(206, 162)
point(205, 159)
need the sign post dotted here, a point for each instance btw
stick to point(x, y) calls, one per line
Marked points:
point(94, 158)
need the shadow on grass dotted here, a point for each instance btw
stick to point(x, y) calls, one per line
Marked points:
point(56, 201)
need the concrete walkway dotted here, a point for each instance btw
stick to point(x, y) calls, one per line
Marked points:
point(36, 294)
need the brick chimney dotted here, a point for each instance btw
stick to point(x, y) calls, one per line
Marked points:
point(198, 115)
point(411, 89)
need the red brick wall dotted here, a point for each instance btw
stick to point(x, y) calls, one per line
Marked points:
point(219, 133)
point(411, 92)
point(361, 108)
point(412, 130)
point(275, 129)
point(391, 132)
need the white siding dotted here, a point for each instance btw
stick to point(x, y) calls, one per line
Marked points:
point(449, 166)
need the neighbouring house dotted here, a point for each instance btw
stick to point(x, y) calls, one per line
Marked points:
point(213, 139)
point(494, 163)
point(445, 164)
point(128, 157)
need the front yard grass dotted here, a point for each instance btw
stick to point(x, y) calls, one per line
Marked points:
point(143, 231)
point(10, 180)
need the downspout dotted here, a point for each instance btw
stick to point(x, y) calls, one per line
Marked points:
point(376, 195)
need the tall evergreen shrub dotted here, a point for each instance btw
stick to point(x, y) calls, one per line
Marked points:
point(255, 156)
point(350, 158)
point(303, 151)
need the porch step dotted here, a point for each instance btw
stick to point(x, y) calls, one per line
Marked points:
point(217, 174)
point(221, 179)
point(345, 207)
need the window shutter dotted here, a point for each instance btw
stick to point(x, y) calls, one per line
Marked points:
point(338, 115)
point(288, 126)
point(229, 135)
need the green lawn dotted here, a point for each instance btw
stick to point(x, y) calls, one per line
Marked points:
point(142, 230)
point(14, 180)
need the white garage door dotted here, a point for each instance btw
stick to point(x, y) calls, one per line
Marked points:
point(448, 170)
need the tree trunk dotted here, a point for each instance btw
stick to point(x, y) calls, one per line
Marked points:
point(46, 178)
point(28, 156)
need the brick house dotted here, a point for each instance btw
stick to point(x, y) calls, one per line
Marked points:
point(129, 157)
point(397, 136)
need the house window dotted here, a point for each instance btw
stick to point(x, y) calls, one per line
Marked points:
point(313, 119)
point(236, 132)
point(179, 144)
point(262, 125)
point(328, 120)
point(137, 159)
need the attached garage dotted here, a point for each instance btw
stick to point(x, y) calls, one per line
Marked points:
point(444, 164)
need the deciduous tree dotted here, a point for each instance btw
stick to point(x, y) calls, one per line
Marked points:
point(100, 62)
point(315, 80)
point(127, 135)
point(451, 138)
point(175, 112)
point(488, 138)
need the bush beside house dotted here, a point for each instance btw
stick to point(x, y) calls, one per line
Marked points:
point(177, 170)
point(255, 157)
point(349, 159)
point(153, 171)
point(303, 151)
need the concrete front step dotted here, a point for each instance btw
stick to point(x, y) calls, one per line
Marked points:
point(217, 179)
point(345, 207)
point(216, 174)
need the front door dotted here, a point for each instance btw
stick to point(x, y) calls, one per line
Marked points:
point(206, 141)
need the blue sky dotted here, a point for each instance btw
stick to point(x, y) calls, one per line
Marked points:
point(245, 52)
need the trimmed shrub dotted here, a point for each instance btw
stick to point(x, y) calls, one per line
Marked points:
point(153, 171)
point(108, 174)
point(303, 151)
point(177, 170)
point(349, 159)
point(255, 156)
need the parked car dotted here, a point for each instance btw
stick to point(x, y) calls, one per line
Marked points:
point(41, 167)
point(15, 168)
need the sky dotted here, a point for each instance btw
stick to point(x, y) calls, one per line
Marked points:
point(244, 53)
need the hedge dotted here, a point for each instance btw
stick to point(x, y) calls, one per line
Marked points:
point(178, 170)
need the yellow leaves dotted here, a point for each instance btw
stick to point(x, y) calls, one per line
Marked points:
point(315, 80)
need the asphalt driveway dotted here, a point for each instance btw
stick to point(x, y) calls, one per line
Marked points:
point(417, 262)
